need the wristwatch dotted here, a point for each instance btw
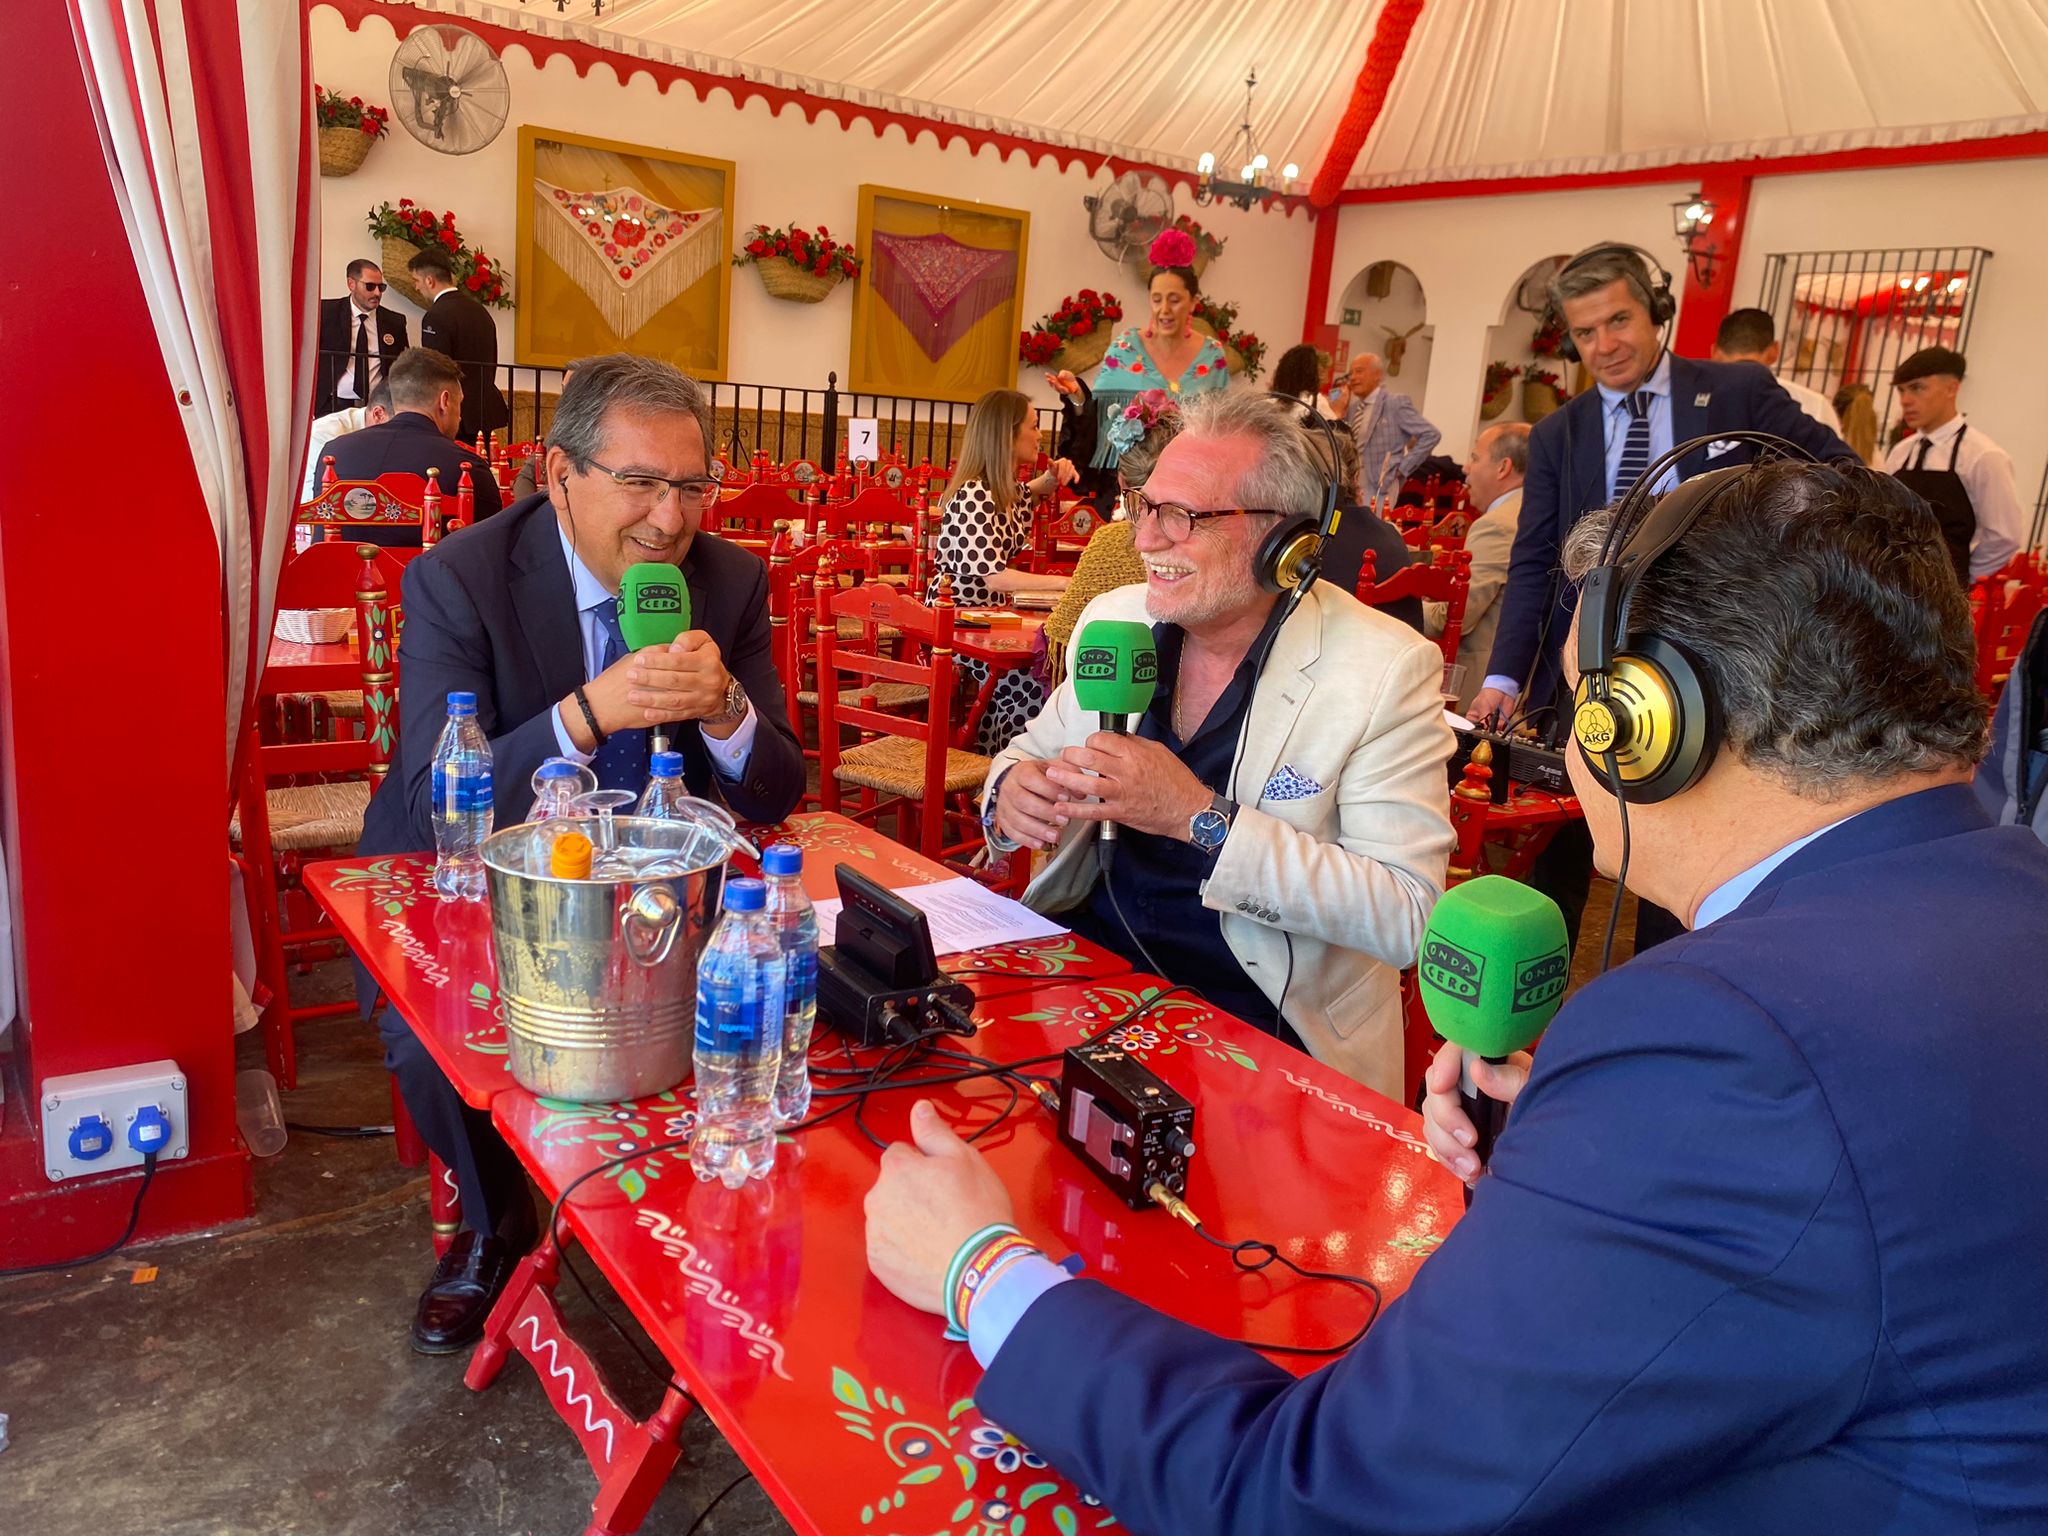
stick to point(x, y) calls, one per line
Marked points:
point(1209, 826)
point(735, 707)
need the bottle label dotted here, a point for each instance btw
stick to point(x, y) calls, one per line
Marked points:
point(802, 982)
point(461, 794)
point(736, 996)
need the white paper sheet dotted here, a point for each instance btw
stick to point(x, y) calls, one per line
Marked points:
point(963, 914)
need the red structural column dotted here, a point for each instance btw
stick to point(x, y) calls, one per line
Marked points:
point(1704, 306)
point(1316, 329)
point(113, 734)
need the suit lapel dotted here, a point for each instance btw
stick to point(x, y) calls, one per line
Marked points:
point(544, 602)
point(1585, 458)
point(1278, 698)
point(1690, 387)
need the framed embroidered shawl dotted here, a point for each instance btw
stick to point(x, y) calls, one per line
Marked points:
point(939, 302)
point(623, 248)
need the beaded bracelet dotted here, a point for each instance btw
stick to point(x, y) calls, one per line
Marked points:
point(975, 1263)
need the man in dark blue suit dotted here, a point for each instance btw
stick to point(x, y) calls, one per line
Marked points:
point(419, 435)
point(1760, 1247)
point(522, 612)
point(1587, 455)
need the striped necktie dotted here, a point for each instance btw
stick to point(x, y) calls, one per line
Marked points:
point(1635, 448)
point(621, 763)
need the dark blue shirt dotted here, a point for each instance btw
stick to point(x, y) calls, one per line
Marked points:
point(1157, 881)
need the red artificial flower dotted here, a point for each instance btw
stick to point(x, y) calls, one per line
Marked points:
point(448, 239)
point(448, 220)
point(369, 128)
point(472, 284)
point(1082, 328)
point(757, 247)
point(355, 101)
point(781, 246)
point(405, 202)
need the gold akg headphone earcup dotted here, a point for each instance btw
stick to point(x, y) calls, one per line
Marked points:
point(1290, 554)
point(1653, 716)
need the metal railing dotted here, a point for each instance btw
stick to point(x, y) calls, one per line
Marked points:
point(786, 422)
point(1851, 317)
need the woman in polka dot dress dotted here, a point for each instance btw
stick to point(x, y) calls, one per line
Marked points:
point(984, 521)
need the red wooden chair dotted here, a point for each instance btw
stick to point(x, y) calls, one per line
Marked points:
point(1446, 579)
point(2003, 606)
point(908, 760)
point(750, 516)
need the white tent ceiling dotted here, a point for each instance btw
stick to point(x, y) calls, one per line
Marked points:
point(1487, 88)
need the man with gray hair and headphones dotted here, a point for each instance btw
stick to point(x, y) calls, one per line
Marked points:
point(1588, 455)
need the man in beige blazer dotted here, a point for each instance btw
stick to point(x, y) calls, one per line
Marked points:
point(1493, 483)
point(1283, 828)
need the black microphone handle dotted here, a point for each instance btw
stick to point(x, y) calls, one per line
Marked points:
point(1106, 844)
point(1487, 1116)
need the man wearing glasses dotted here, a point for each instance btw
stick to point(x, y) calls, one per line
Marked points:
point(522, 611)
point(359, 340)
point(1282, 806)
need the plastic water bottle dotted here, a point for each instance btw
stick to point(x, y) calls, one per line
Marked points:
point(795, 922)
point(739, 1041)
point(462, 802)
point(665, 788)
point(556, 784)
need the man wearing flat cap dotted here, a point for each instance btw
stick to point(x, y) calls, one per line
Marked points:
point(1955, 467)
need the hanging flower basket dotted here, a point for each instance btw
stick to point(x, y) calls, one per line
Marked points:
point(343, 150)
point(1493, 405)
point(395, 253)
point(1081, 353)
point(784, 279)
point(1539, 399)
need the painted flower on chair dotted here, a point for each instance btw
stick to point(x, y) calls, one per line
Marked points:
point(988, 1442)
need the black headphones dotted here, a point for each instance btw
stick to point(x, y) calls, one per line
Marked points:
point(1290, 557)
point(1644, 712)
point(1662, 305)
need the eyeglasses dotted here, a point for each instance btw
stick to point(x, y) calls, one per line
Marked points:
point(1175, 521)
point(646, 492)
point(374, 287)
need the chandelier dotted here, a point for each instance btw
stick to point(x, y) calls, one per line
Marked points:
point(1253, 184)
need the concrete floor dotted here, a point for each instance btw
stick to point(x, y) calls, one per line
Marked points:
point(262, 1383)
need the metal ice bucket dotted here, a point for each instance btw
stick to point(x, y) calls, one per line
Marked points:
point(599, 976)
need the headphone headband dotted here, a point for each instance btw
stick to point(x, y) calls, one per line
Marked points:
point(1663, 277)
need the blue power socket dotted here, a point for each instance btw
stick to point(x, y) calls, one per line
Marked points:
point(91, 1138)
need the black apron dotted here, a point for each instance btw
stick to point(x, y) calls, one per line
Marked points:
point(1943, 490)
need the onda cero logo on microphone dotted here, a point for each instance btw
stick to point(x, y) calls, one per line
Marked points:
point(1539, 981)
point(1450, 969)
point(659, 597)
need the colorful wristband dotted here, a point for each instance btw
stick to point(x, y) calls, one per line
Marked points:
point(978, 1261)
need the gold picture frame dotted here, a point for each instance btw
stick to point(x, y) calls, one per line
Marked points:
point(958, 344)
point(663, 289)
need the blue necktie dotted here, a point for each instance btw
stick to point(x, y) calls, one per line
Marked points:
point(1635, 448)
point(621, 763)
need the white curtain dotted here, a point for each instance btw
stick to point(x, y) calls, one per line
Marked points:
point(205, 110)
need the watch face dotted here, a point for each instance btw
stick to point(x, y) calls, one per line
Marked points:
point(1209, 828)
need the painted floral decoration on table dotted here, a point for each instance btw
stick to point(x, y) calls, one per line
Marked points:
point(383, 882)
point(331, 109)
point(616, 1131)
point(1162, 1028)
point(475, 273)
point(983, 1459)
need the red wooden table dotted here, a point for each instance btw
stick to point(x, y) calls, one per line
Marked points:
point(1001, 646)
point(848, 1406)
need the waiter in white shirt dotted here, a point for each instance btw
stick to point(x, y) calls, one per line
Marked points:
point(1954, 466)
point(1751, 336)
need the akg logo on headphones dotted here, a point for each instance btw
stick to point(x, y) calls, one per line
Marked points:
point(1451, 969)
point(1539, 981)
point(1594, 726)
point(659, 597)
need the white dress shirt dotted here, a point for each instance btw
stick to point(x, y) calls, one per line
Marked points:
point(1986, 473)
point(1813, 402)
point(345, 386)
point(326, 429)
point(729, 756)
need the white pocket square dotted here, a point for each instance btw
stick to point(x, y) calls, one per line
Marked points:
point(1720, 446)
point(1290, 784)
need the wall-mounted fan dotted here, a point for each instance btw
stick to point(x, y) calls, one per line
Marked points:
point(449, 89)
point(1124, 219)
point(1532, 294)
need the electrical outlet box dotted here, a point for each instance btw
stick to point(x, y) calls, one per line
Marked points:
point(115, 1096)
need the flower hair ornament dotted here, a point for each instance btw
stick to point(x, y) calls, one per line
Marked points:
point(1139, 417)
point(1172, 248)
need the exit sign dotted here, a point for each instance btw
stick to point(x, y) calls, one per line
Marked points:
point(1354, 317)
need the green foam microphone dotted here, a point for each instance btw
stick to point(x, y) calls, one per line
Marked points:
point(1115, 667)
point(654, 608)
point(1492, 971)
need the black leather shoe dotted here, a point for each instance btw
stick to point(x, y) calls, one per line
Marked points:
point(458, 1299)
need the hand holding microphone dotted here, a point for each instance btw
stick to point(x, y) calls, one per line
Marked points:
point(1116, 672)
point(654, 608)
point(1493, 968)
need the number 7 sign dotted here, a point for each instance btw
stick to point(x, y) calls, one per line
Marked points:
point(862, 436)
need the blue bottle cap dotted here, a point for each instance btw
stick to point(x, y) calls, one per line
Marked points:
point(461, 703)
point(666, 765)
point(558, 768)
point(746, 896)
point(783, 859)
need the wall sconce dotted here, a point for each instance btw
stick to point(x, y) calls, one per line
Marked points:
point(1691, 218)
